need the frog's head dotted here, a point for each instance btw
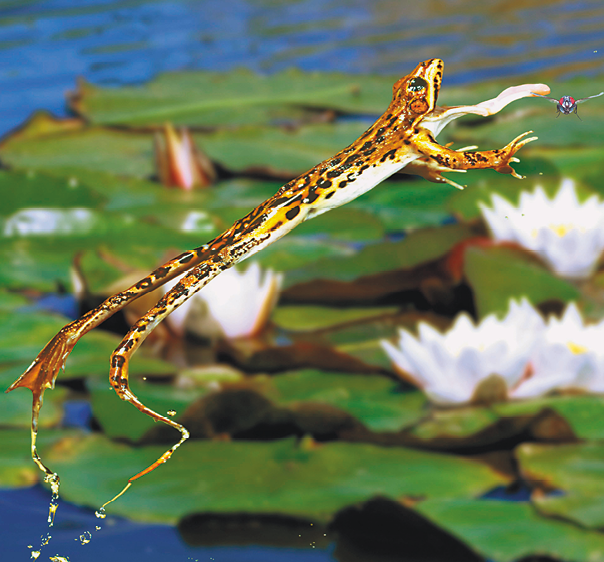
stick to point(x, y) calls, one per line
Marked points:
point(415, 95)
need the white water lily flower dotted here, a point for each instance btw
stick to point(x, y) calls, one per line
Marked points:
point(451, 368)
point(566, 234)
point(570, 357)
point(234, 304)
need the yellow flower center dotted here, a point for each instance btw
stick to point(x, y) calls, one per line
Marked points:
point(575, 348)
point(561, 229)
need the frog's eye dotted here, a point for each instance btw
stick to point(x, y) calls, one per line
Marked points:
point(417, 84)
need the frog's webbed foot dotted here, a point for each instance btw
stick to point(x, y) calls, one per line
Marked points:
point(437, 159)
point(41, 374)
point(504, 157)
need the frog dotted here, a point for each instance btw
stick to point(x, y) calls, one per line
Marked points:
point(403, 138)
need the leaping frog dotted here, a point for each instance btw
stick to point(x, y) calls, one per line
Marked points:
point(403, 137)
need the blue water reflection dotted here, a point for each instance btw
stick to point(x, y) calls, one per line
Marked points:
point(118, 539)
point(46, 44)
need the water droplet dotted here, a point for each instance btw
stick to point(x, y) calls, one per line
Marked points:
point(101, 513)
point(58, 558)
point(98, 528)
point(35, 554)
point(85, 537)
point(171, 412)
point(45, 539)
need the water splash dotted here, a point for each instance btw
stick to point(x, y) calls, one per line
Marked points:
point(85, 537)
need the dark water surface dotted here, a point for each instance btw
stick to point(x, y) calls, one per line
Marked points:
point(46, 44)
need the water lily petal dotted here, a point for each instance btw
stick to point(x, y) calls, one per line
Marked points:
point(566, 234)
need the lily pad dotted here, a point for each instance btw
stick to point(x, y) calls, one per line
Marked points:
point(22, 336)
point(354, 225)
point(420, 247)
point(508, 531)
point(11, 301)
point(272, 151)
point(583, 164)
point(15, 409)
point(120, 419)
point(379, 403)
point(409, 204)
point(41, 260)
point(311, 318)
point(16, 466)
point(584, 413)
point(279, 477)
point(575, 471)
point(234, 98)
point(35, 190)
point(498, 274)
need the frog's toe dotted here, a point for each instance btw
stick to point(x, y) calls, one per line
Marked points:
point(517, 143)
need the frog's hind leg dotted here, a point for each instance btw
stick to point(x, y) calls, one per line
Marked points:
point(197, 278)
point(42, 373)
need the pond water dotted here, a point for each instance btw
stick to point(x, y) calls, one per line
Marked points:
point(45, 45)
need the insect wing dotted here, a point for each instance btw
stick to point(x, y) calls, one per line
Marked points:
point(588, 98)
point(553, 100)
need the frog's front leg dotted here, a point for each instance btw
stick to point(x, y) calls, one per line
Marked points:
point(437, 159)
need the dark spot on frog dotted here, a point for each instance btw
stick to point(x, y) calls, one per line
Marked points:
point(292, 213)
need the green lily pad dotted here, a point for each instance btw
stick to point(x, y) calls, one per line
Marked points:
point(353, 225)
point(17, 470)
point(583, 164)
point(294, 252)
point(311, 318)
point(508, 531)
point(377, 402)
point(278, 477)
point(15, 409)
point(11, 301)
point(419, 247)
point(584, 413)
point(277, 150)
point(234, 98)
point(90, 148)
point(575, 470)
point(35, 190)
point(120, 419)
point(40, 261)
point(454, 423)
point(131, 153)
point(409, 204)
point(23, 335)
point(498, 274)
